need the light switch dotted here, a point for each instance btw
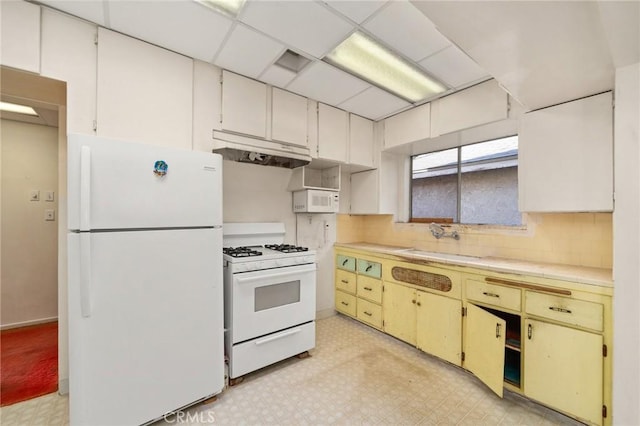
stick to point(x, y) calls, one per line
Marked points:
point(49, 214)
point(49, 196)
point(34, 195)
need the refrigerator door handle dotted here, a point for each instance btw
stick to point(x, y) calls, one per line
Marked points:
point(85, 188)
point(85, 274)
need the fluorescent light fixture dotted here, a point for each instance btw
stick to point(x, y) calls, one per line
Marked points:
point(20, 109)
point(228, 7)
point(364, 57)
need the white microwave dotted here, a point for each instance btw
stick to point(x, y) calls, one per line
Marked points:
point(315, 201)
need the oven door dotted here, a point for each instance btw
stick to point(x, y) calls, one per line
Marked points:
point(270, 300)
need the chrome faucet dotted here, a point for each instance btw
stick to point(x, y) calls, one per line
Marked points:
point(439, 232)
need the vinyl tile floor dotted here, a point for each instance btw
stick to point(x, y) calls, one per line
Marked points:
point(355, 376)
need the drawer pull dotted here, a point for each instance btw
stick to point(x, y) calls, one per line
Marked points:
point(368, 313)
point(529, 331)
point(344, 262)
point(557, 309)
point(486, 293)
point(345, 303)
point(413, 301)
point(497, 331)
point(368, 268)
point(345, 281)
point(418, 303)
point(368, 288)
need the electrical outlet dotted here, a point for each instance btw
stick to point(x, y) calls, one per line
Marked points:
point(49, 196)
point(34, 195)
point(49, 214)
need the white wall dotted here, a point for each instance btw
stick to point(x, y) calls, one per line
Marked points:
point(626, 248)
point(29, 243)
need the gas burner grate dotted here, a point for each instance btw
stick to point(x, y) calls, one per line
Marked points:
point(286, 248)
point(241, 251)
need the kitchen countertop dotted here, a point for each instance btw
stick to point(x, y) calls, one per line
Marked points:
point(582, 274)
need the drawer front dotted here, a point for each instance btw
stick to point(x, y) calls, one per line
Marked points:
point(346, 303)
point(370, 313)
point(346, 281)
point(372, 269)
point(346, 262)
point(570, 311)
point(370, 289)
point(496, 295)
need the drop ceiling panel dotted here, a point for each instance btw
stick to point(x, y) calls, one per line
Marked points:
point(543, 53)
point(405, 29)
point(184, 27)
point(374, 103)
point(248, 52)
point(90, 10)
point(453, 67)
point(305, 25)
point(357, 11)
point(327, 84)
point(277, 76)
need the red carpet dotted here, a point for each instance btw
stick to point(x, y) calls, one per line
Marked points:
point(29, 364)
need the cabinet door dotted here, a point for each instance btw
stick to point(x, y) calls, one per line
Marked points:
point(399, 312)
point(409, 126)
point(20, 39)
point(288, 117)
point(145, 93)
point(563, 368)
point(360, 141)
point(569, 147)
point(439, 326)
point(364, 192)
point(484, 347)
point(333, 133)
point(244, 105)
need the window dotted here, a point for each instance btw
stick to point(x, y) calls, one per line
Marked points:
point(473, 184)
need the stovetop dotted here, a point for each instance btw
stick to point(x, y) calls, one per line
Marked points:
point(269, 256)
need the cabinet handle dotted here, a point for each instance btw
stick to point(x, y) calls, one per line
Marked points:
point(497, 331)
point(368, 288)
point(345, 281)
point(486, 293)
point(368, 268)
point(345, 303)
point(557, 309)
point(418, 303)
point(344, 262)
point(413, 301)
point(368, 313)
point(529, 331)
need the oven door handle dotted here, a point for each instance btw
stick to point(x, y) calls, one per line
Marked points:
point(278, 336)
point(260, 276)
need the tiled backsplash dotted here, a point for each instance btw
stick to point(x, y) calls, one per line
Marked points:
point(584, 239)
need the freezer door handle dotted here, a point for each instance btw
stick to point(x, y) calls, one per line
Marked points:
point(85, 274)
point(85, 188)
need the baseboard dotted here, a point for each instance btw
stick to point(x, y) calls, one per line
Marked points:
point(27, 323)
point(63, 386)
point(325, 313)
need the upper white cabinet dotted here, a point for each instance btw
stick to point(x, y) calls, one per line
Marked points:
point(20, 35)
point(288, 117)
point(376, 191)
point(244, 105)
point(480, 104)
point(361, 141)
point(566, 157)
point(408, 126)
point(333, 133)
point(206, 104)
point(69, 54)
point(144, 92)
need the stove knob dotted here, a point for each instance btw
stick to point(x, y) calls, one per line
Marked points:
point(240, 268)
point(280, 262)
point(252, 266)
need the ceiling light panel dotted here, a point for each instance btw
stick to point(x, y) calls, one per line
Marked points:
point(20, 109)
point(228, 7)
point(404, 28)
point(305, 25)
point(374, 103)
point(248, 52)
point(182, 26)
point(326, 84)
point(454, 67)
point(358, 11)
point(365, 58)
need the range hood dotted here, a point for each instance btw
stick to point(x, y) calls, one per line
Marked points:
point(259, 151)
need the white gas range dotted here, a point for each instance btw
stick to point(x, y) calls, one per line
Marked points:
point(270, 296)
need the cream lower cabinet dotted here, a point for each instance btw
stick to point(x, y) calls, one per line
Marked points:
point(399, 307)
point(359, 289)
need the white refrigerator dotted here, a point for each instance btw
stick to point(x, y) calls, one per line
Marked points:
point(145, 280)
